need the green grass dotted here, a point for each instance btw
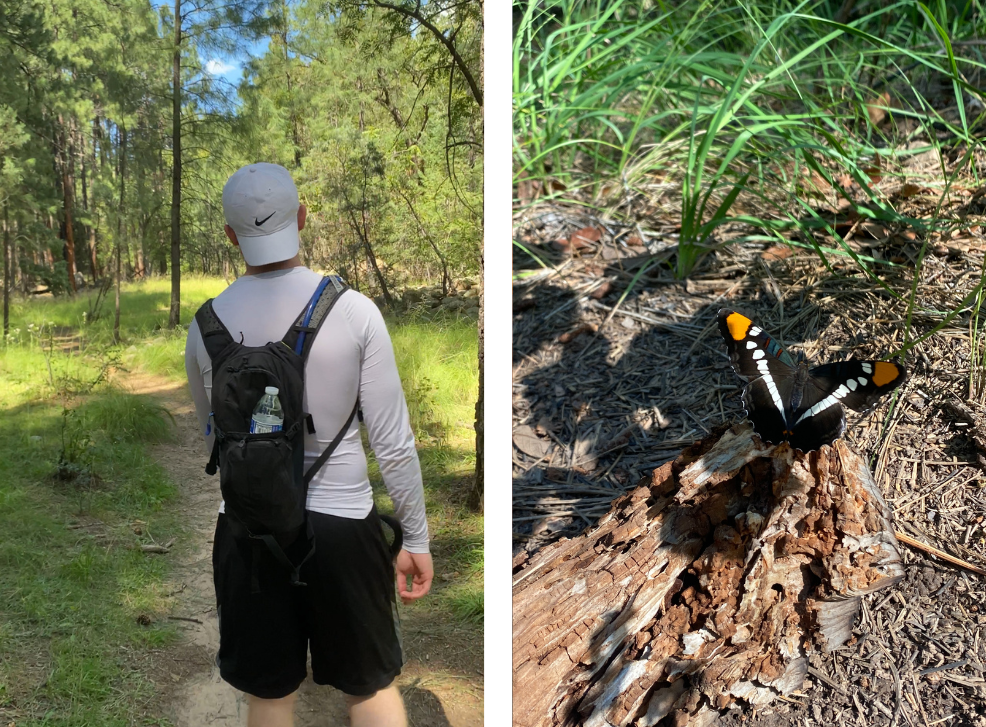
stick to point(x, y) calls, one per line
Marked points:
point(733, 102)
point(144, 309)
point(438, 365)
point(128, 417)
point(77, 477)
point(71, 585)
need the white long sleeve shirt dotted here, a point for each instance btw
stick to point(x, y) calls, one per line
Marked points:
point(352, 354)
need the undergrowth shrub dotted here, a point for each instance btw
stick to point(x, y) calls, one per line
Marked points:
point(128, 417)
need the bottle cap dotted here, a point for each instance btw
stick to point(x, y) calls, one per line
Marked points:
point(272, 390)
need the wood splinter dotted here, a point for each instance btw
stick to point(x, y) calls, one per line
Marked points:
point(704, 587)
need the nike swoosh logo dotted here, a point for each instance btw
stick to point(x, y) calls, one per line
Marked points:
point(258, 224)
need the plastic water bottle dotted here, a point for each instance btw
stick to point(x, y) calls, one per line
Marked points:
point(268, 416)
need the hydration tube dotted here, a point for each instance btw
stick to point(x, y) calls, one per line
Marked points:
point(300, 345)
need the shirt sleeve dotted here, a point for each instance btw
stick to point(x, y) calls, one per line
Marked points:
point(389, 428)
point(200, 388)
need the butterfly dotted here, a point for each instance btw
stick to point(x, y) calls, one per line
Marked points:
point(789, 402)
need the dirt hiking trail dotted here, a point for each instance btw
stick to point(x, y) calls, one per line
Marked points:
point(442, 680)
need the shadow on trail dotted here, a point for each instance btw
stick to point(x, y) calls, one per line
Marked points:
point(424, 708)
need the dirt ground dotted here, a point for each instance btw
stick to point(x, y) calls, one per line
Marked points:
point(442, 681)
point(605, 391)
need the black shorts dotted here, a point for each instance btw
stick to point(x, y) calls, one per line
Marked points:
point(346, 613)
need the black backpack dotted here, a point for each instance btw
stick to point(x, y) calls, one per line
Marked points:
point(262, 476)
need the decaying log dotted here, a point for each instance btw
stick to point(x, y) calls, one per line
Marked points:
point(706, 585)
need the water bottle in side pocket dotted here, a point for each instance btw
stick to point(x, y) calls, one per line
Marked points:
point(268, 415)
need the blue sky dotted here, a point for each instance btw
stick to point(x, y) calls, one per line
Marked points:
point(229, 68)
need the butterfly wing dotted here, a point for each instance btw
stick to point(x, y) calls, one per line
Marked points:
point(820, 418)
point(858, 384)
point(762, 411)
point(743, 339)
point(770, 371)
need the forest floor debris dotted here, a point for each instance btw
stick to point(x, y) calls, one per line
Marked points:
point(606, 391)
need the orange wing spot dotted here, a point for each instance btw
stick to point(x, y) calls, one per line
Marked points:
point(738, 326)
point(885, 373)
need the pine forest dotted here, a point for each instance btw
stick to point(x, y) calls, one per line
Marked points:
point(118, 128)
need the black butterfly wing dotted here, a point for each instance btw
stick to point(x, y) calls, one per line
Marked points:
point(770, 371)
point(762, 410)
point(858, 384)
point(820, 418)
point(744, 339)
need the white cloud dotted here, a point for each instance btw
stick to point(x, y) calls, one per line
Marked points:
point(216, 67)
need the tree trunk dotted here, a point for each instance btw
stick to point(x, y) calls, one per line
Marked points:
point(119, 229)
point(706, 585)
point(17, 277)
point(476, 497)
point(6, 271)
point(446, 277)
point(174, 316)
point(363, 234)
point(292, 113)
point(139, 271)
point(68, 189)
point(477, 488)
point(372, 259)
point(90, 227)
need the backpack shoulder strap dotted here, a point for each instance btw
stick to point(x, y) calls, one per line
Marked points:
point(327, 452)
point(214, 333)
point(301, 335)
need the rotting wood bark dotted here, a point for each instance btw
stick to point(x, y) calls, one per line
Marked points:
point(705, 586)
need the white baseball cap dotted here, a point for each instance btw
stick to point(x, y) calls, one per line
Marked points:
point(260, 203)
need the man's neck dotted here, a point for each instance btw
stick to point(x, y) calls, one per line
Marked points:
point(294, 262)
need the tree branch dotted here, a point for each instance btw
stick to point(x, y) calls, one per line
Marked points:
point(477, 94)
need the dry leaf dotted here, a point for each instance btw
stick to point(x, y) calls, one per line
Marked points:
point(599, 292)
point(562, 245)
point(776, 252)
point(910, 190)
point(874, 230)
point(529, 443)
point(527, 190)
point(586, 237)
point(569, 335)
point(877, 108)
point(584, 456)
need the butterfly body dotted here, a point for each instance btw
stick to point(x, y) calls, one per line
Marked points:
point(790, 402)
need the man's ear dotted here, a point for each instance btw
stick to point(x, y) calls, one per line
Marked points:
point(302, 216)
point(231, 235)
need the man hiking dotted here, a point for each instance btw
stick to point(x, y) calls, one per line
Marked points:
point(295, 356)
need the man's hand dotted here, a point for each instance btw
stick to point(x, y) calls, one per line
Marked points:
point(419, 567)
